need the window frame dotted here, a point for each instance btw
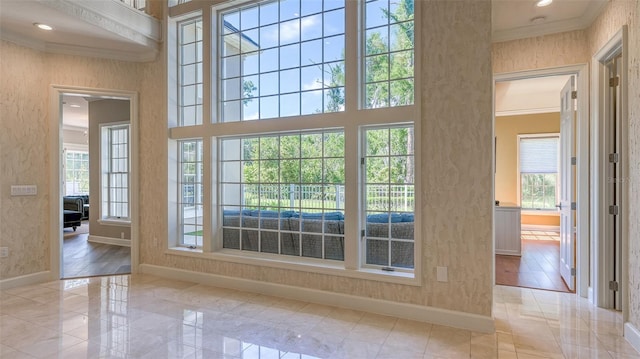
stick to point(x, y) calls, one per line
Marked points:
point(537, 211)
point(67, 152)
point(351, 120)
point(106, 158)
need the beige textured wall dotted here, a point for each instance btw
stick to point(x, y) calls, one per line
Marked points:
point(567, 48)
point(616, 14)
point(24, 221)
point(103, 112)
point(457, 203)
point(507, 129)
point(26, 76)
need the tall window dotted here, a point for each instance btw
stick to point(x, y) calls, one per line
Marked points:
point(190, 201)
point(115, 172)
point(539, 171)
point(190, 73)
point(389, 196)
point(293, 130)
point(76, 173)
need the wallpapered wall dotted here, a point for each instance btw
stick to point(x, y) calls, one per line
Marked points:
point(26, 76)
point(616, 14)
point(578, 47)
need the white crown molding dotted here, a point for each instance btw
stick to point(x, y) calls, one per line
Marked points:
point(147, 56)
point(450, 318)
point(24, 280)
point(527, 111)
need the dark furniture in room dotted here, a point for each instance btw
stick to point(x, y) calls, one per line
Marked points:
point(72, 219)
point(78, 203)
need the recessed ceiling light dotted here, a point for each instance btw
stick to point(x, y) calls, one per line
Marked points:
point(543, 3)
point(538, 20)
point(43, 26)
point(74, 106)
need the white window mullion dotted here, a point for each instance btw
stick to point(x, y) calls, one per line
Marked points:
point(352, 248)
point(209, 200)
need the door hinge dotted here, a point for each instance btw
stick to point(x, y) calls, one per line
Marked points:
point(614, 158)
point(574, 161)
point(362, 233)
point(362, 161)
point(613, 210)
point(574, 205)
point(573, 272)
point(574, 95)
point(614, 81)
point(613, 285)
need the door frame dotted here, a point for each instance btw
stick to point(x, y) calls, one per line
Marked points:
point(603, 253)
point(55, 184)
point(582, 160)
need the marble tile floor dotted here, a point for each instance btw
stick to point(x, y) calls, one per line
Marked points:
point(142, 316)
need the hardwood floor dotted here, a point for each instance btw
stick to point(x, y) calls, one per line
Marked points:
point(85, 259)
point(539, 265)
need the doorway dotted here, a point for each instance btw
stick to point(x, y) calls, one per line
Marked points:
point(534, 180)
point(95, 167)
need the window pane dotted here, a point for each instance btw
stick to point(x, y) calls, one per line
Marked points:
point(190, 191)
point(389, 45)
point(190, 72)
point(389, 199)
point(285, 206)
point(275, 37)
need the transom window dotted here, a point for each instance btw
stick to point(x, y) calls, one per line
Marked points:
point(282, 58)
point(327, 178)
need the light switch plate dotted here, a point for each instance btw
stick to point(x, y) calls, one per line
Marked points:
point(24, 190)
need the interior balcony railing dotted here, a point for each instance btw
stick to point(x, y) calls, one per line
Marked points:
point(136, 4)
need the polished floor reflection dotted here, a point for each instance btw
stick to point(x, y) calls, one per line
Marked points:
point(142, 316)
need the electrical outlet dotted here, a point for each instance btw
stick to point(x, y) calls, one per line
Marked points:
point(4, 252)
point(24, 190)
point(441, 274)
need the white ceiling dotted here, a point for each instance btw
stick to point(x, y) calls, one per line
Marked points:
point(75, 111)
point(535, 95)
point(512, 19)
point(99, 28)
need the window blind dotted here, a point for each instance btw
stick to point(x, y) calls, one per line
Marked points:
point(539, 155)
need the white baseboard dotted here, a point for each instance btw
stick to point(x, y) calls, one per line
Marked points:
point(632, 334)
point(539, 227)
point(109, 240)
point(28, 279)
point(508, 252)
point(474, 322)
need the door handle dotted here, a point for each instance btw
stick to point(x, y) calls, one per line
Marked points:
point(559, 206)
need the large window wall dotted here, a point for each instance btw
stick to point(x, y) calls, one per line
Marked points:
point(303, 127)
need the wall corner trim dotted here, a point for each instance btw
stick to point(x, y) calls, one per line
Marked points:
point(632, 334)
point(27, 279)
point(468, 321)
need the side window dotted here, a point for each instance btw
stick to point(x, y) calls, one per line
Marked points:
point(190, 193)
point(538, 164)
point(389, 197)
point(115, 172)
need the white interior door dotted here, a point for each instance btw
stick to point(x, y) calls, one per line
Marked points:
point(567, 180)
